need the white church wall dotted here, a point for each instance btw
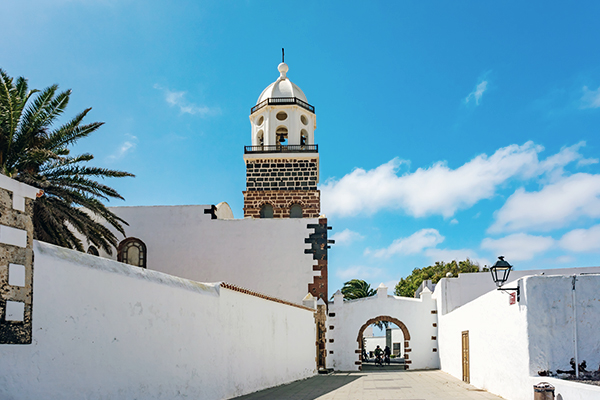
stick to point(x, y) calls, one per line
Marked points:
point(103, 329)
point(418, 315)
point(264, 255)
point(498, 344)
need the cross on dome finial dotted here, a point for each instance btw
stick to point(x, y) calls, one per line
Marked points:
point(282, 55)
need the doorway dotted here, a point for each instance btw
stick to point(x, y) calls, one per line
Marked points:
point(466, 374)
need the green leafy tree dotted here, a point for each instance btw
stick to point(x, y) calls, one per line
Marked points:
point(407, 286)
point(34, 151)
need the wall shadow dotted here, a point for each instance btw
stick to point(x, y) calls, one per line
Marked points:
point(305, 389)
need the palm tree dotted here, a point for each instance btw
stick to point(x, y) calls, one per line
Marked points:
point(357, 289)
point(34, 152)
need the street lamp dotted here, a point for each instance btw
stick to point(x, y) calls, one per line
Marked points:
point(500, 272)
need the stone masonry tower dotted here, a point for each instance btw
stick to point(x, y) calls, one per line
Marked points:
point(282, 164)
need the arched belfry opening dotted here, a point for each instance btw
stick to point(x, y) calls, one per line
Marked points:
point(400, 348)
point(282, 163)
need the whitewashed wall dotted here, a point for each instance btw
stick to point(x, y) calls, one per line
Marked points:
point(371, 342)
point(467, 287)
point(568, 390)
point(265, 255)
point(106, 330)
point(350, 316)
point(499, 356)
point(551, 321)
point(509, 344)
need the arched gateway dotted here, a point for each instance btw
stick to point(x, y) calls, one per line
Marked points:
point(417, 318)
point(399, 324)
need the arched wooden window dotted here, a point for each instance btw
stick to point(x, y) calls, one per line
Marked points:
point(296, 211)
point(266, 211)
point(132, 251)
point(93, 251)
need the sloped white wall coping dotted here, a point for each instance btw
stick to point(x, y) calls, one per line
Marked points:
point(105, 264)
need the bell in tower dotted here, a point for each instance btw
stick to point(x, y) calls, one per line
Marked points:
point(282, 164)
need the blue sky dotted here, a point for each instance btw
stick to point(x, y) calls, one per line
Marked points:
point(446, 130)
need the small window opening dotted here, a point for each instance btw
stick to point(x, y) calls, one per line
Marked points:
point(303, 137)
point(93, 251)
point(260, 138)
point(266, 211)
point(281, 115)
point(282, 136)
point(296, 211)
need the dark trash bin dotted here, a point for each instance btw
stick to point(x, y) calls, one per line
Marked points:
point(543, 391)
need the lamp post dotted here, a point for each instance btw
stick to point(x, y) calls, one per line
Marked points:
point(500, 272)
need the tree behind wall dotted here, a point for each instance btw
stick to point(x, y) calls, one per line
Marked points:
point(358, 289)
point(407, 286)
point(34, 152)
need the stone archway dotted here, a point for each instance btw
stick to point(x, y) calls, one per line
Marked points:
point(386, 318)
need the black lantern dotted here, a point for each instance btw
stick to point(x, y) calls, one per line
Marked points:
point(500, 272)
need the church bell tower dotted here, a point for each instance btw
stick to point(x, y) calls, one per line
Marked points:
point(282, 164)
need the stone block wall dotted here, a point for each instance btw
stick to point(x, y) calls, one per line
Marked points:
point(282, 201)
point(16, 261)
point(282, 174)
point(319, 246)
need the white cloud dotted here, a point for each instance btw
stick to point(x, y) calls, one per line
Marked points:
point(590, 98)
point(126, 147)
point(454, 221)
point(582, 240)
point(565, 260)
point(555, 206)
point(439, 189)
point(556, 163)
point(477, 92)
point(518, 246)
point(177, 99)
point(358, 272)
point(415, 243)
point(346, 237)
point(587, 161)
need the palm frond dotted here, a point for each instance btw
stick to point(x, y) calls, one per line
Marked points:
point(34, 153)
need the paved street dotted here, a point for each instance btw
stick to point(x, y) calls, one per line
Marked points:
point(379, 385)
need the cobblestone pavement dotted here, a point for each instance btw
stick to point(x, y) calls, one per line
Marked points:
point(381, 385)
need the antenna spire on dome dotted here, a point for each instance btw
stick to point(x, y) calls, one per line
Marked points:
point(282, 68)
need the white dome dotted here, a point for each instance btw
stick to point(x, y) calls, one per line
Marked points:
point(282, 87)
